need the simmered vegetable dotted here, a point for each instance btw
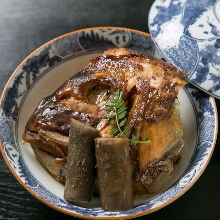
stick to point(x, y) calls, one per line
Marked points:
point(114, 173)
point(80, 174)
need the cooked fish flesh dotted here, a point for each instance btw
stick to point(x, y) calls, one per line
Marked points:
point(55, 166)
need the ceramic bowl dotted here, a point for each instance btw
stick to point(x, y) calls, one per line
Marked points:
point(45, 70)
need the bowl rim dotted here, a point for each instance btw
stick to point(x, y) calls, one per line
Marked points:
point(87, 216)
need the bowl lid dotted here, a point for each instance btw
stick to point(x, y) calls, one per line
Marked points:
point(188, 35)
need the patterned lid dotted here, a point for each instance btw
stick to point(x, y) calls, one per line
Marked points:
point(188, 35)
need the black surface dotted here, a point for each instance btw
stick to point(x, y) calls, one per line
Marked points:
point(27, 24)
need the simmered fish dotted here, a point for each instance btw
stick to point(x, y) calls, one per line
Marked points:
point(149, 88)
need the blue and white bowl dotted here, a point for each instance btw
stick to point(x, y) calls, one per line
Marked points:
point(45, 70)
point(187, 33)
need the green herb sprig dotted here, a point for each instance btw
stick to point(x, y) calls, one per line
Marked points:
point(117, 117)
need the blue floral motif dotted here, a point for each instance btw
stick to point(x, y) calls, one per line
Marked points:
point(33, 65)
point(185, 56)
point(165, 14)
point(7, 130)
point(142, 44)
point(10, 106)
point(196, 39)
point(66, 46)
point(204, 103)
point(29, 72)
point(193, 10)
point(81, 43)
point(105, 38)
point(209, 54)
point(207, 135)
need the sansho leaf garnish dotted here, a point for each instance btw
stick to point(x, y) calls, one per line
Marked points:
point(117, 118)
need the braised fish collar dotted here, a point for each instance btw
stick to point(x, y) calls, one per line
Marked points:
point(148, 85)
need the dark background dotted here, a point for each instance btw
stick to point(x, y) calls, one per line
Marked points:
point(27, 24)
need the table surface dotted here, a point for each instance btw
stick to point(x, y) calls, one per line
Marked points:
point(27, 24)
